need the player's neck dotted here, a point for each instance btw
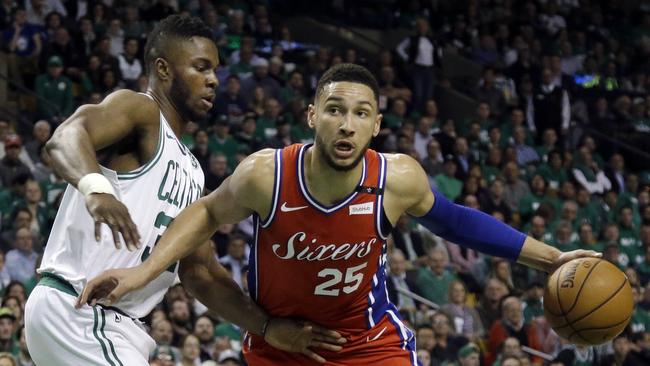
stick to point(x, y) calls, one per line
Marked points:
point(325, 183)
point(169, 110)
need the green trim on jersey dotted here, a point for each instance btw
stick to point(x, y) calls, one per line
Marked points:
point(110, 343)
point(101, 342)
point(57, 282)
point(145, 168)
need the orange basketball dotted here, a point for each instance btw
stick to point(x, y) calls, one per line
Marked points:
point(588, 301)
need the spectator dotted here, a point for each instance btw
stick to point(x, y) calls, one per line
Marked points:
point(236, 257)
point(469, 355)
point(21, 261)
point(398, 279)
point(56, 91)
point(422, 137)
point(11, 166)
point(515, 188)
point(512, 324)
point(488, 93)
point(7, 323)
point(266, 123)
point(222, 142)
point(447, 183)
point(433, 163)
point(62, 45)
point(24, 44)
point(495, 201)
point(282, 137)
point(463, 158)
point(5, 278)
point(588, 174)
point(531, 201)
point(433, 281)
point(217, 172)
point(408, 240)
point(229, 358)
point(551, 107)
point(260, 77)
point(447, 343)
point(23, 357)
point(190, 350)
point(204, 331)
point(466, 320)
point(130, 65)
point(525, 153)
point(390, 87)
point(488, 307)
point(246, 136)
point(40, 134)
point(616, 173)
point(421, 53)
point(511, 348)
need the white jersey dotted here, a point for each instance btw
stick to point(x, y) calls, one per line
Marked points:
point(154, 194)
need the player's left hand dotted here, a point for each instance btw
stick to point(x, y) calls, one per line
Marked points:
point(574, 254)
point(295, 336)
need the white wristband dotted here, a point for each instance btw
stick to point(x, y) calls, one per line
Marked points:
point(94, 183)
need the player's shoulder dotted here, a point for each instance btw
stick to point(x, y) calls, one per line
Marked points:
point(404, 174)
point(256, 172)
point(131, 101)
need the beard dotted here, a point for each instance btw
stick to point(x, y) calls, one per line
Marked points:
point(320, 145)
point(180, 96)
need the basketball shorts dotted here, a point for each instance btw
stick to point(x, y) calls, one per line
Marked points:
point(389, 342)
point(57, 334)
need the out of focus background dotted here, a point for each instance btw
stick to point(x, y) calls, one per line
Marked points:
point(535, 112)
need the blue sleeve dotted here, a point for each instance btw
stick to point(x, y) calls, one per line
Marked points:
point(472, 228)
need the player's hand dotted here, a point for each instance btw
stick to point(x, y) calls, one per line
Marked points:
point(106, 209)
point(574, 254)
point(295, 336)
point(110, 286)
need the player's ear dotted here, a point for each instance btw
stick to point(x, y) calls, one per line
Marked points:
point(311, 115)
point(162, 69)
point(378, 120)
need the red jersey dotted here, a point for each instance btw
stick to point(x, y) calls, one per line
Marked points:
point(317, 262)
point(325, 263)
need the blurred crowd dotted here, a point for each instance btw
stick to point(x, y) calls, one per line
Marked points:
point(552, 72)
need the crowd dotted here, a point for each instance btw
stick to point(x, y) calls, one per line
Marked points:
point(552, 72)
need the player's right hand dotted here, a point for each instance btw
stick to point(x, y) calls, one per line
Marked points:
point(110, 286)
point(106, 209)
point(297, 336)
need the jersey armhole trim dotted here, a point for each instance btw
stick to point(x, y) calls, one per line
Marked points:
point(154, 159)
point(380, 197)
point(277, 183)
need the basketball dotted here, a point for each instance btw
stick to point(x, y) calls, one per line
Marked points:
point(588, 301)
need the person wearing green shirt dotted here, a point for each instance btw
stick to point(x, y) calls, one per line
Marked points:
point(433, 281)
point(517, 119)
point(301, 132)
point(396, 116)
point(56, 91)
point(553, 171)
point(563, 237)
point(492, 167)
point(587, 239)
point(483, 117)
point(226, 329)
point(295, 88)
point(640, 321)
point(643, 269)
point(531, 201)
point(266, 123)
point(533, 302)
point(222, 142)
point(243, 68)
point(587, 210)
point(446, 183)
point(629, 237)
point(549, 143)
point(7, 323)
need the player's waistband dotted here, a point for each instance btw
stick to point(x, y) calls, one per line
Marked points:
point(59, 283)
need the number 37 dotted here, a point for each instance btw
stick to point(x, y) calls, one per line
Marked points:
point(352, 280)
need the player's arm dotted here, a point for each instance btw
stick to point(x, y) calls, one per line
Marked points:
point(235, 199)
point(91, 128)
point(465, 226)
point(213, 286)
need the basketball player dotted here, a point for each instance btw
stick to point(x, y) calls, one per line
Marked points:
point(323, 213)
point(147, 179)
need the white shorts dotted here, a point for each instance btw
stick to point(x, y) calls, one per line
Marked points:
point(58, 334)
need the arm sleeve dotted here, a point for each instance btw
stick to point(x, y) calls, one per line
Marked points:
point(472, 228)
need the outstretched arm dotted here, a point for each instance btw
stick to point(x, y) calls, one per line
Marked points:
point(469, 227)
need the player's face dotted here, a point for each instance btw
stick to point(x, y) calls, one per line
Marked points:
point(194, 81)
point(345, 119)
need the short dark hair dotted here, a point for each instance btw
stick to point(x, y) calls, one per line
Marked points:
point(348, 72)
point(172, 28)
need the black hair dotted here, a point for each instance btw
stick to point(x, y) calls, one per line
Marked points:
point(348, 72)
point(171, 29)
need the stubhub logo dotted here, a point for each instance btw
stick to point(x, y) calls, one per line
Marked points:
point(362, 208)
